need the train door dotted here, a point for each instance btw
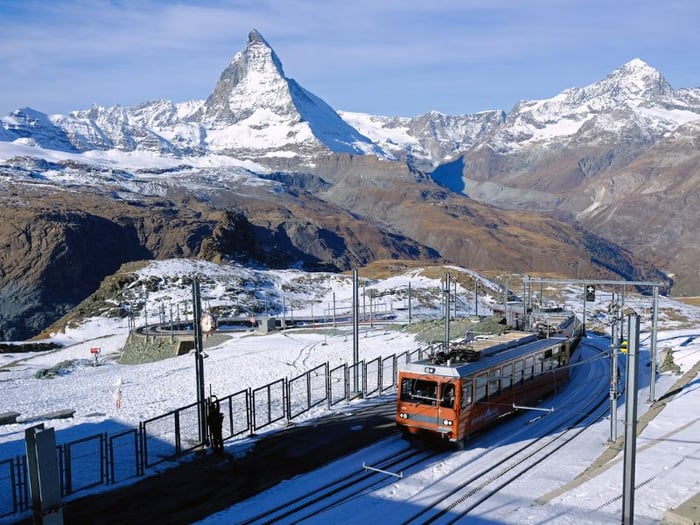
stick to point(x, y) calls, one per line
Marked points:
point(448, 396)
point(466, 399)
point(446, 410)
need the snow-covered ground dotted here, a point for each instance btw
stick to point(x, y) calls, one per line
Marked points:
point(668, 466)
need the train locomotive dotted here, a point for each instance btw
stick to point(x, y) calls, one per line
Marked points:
point(450, 396)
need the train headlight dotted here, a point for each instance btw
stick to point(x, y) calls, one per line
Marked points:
point(403, 415)
point(447, 422)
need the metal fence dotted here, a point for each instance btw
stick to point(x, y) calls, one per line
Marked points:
point(104, 459)
point(14, 486)
point(308, 390)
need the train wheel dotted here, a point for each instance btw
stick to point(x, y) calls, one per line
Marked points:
point(462, 443)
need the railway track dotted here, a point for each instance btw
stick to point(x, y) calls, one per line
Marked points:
point(516, 455)
point(467, 495)
point(495, 459)
point(343, 489)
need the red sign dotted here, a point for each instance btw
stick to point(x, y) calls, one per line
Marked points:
point(95, 350)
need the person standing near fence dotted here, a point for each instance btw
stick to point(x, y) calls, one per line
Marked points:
point(215, 420)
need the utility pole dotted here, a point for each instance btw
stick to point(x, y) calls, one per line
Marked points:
point(630, 419)
point(446, 298)
point(355, 330)
point(455, 298)
point(199, 361)
point(614, 345)
point(284, 310)
point(505, 303)
point(334, 319)
point(652, 348)
point(525, 322)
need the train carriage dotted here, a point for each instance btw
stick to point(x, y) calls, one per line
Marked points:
point(449, 397)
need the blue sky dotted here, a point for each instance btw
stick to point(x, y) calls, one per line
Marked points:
point(389, 57)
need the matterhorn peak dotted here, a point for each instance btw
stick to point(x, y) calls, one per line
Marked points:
point(254, 94)
point(254, 77)
point(259, 54)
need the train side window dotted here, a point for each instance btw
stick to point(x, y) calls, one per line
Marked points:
point(548, 360)
point(529, 367)
point(467, 389)
point(518, 371)
point(538, 364)
point(447, 399)
point(555, 357)
point(481, 382)
point(507, 376)
point(494, 381)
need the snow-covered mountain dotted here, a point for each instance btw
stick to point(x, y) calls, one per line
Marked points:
point(635, 102)
point(254, 111)
point(614, 155)
point(428, 139)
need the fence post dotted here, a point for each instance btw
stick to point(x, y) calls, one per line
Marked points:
point(104, 463)
point(252, 412)
point(395, 373)
point(329, 387)
point(364, 379)
point(308, 390)
point(143, 451)
point(178, 448)
point(346, 373)
point(286, 403)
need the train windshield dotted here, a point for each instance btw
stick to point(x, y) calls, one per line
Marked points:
point(425, 392)
point(419, 391)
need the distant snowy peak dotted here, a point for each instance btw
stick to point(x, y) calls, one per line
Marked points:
point(632, 84)
point(636, 78)
point(34, 128)
point(634, 96)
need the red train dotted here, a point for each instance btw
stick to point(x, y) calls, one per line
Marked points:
point(451, 396)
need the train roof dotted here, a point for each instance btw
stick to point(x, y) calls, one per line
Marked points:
point(492, 344)
point(490, 356)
